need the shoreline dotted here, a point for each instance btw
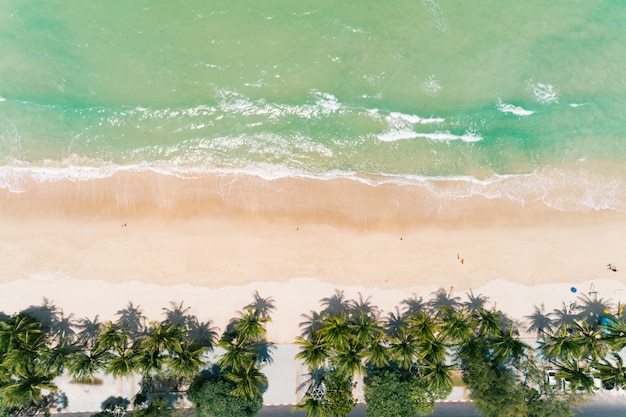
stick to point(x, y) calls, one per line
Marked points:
point(339, 202)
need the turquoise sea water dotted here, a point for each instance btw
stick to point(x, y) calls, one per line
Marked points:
point(516, 100)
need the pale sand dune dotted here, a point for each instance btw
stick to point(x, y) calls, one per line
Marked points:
point(64, 242)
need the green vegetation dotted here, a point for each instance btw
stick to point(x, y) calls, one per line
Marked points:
point(213, 397)
point(410, 358)
point(39, 343)
point(391, 393)
point(404, 361)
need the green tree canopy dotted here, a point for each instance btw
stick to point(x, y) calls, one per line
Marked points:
point(387, 394)
point(212, 397)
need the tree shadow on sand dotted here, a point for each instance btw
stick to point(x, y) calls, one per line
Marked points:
point(263, 305)
point(132, 320)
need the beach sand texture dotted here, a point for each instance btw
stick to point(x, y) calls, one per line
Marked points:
point(90, 251)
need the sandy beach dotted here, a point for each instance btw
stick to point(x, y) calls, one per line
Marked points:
point(90, 251)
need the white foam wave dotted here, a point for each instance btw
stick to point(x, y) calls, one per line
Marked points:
point(563, 189)
point(401, 127)
point(396, 135)
point(328, 102)
point(543, 93)
point(233, 102)
point(413, 119)
point(2, 99)
point(510, 108)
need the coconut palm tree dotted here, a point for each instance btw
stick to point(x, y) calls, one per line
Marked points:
point(251, 326)
point(587, 336)
point(561, 346)
point(507, 347)
point(335, 331)
point(121, 357)
point(364, 326)
point(403, 348)
point(249, 381)
point(161, 340)
point(19, 332)
point(349, 360)
point(422, 325)
point(246, 349)
point(56, 358)
point(614, 332)
point(540, 322)
point(23, 346)
point(432, 350)
point(26, 388)
point(437, 376)
point(579, 377)
point(378, 355)
point(489, 322)
point(187, 362)
point(112, 336)
point(85, 364)
point(313, 351)
point(236, 355)
point(473, 349)
point(122, 361)
point(313, 407)
point(458, 326)
point(611, 372)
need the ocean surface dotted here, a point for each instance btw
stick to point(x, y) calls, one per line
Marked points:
point(516, 100)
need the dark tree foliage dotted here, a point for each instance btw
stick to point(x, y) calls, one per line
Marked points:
point(387, 394)
point(339, 401)
point(212, 397)
point(111, 403)
point(494, 390)
point(159, 407)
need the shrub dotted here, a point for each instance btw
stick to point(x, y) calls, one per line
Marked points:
point(212, 397)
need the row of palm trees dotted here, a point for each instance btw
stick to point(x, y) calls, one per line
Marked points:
point(40, 343)
point(345, 339)
point(431, 338)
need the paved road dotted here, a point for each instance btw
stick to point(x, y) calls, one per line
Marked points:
point(613, 409)
point(598, 409)
point(441, 410)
